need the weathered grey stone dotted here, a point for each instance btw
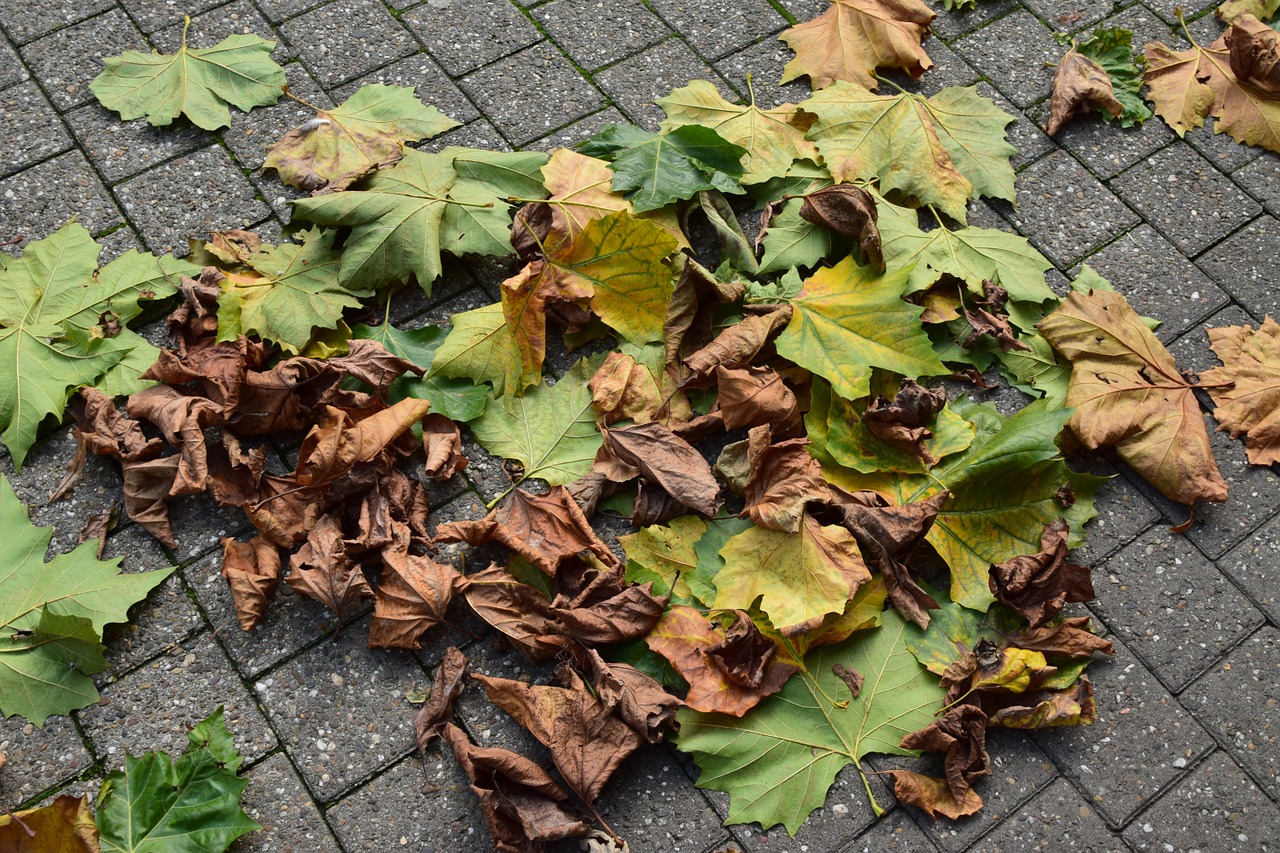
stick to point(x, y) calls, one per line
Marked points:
point(1013, 52)
point(637, 81)
point(26, 21)
point(719, 27)
point(347, 38)
point(38, 758)
point(1247, 264)
point(1056, 819)
point(121, 149)
point(595, 33)
point(505, 88)
point(66, 61)
point(30, 129)
point(38, 201)
point(463, 36)
point(290, 820)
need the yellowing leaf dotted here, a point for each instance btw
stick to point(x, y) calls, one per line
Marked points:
point(1172, 85)
point(581, 190)
point(64, 826)
point(480, 348)
point(1250, 404)
point(855, 37)
point(1247, 112)
point(664, 554)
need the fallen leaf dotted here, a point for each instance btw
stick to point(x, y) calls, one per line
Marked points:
point(850, 212)
point(753, 396)
point(961, 735)
point(1080, 83)
point(480, 348)
point(518, 611)
point(1260, 9)
point(412, 595)
point(322, 570)
point(783, 480)
point(668, 461)
point(182, 419)
point(934, 796)
point(853, 38)
point(252, 571)
point(437, 711)
point(332, 448)
point(64, 826)
point(739, 344)
point(664, 555)
point(634, 697)
point(656, 169)
point(1174, 86)
point(1038, 586)
point(1246, 389)
point(442, 443)
point(1254, 53)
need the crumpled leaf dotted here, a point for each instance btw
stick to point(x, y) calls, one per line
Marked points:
point(663, 458)
point(1078, 84)
point(961, 734)
point(333, 447)
point(321, 569)
point(1127, 392)
point(853, 38)
point(252, 571)
point(656, 169)
point(196, 82)
point(442, 442)
point(1254, 53)
point(458, 399)
point(737, 345)
point(783, 479)
point(754, 396)
point(517, 610)
point(412, 595)
point(1038, 586)
point(64, 826)
point(437, 711)
point(634, 697)
point(850, 212)
point(1246, 389)
point(367, 131)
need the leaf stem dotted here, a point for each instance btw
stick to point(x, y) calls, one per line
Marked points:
point(306, 104)
point(871, 797)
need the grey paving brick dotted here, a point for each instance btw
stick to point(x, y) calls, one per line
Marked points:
point(431, 84)
point(764, 61)
point(1023, 133)
point(595, 33)
point(30, 129)
point(719, 27)
point(11, 68)
point(279, 10)
point(199, 525)
point(341, 711)
point(121, 149)
point(189, 197)
point(579, 131)
point(1106, 148)
point(155, 706)
point(1012, 53)
point(475, 134)
point(1146, 27)
point(347, 38)
point(153, 15)
point(655, 807)
point(636, 82)
point(1172, 606)
point(40, 200)
point(1069, 15)
point(1261, 178)
point(951, 25)
point(1219, 148)
point(804, 10)
point(1142, 741)
point(208, 28)
point(1057, 819)
point(1193, 204)
point(505, 88)
point(38, 758)
point(66, 61)
point(463, 36)
point(116, 243)
point(1123, 513)
point(893, 832)
point(1192, 350)
point(1158, 281)
point(1065, 211)
point(1215, 808)
point(1237, 700)
point(1254, 564)
point(290, 819)
point(28, 20)
point(1168, 9)
point(1247, 264)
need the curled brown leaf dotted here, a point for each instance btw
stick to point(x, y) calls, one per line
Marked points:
point(252, 571)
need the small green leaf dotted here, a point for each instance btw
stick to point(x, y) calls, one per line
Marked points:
point(1111, 48)
point(656, 169)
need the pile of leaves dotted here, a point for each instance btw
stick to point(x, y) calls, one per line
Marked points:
point(836, 552)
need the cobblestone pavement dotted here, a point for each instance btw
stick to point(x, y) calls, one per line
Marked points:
point(1186, 752)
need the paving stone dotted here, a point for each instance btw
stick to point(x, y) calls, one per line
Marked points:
point(1057, 819)
point(38, 758)
point(1237, 701)
point(1261, 177)
point(40, 200)
point(1013, 52)
point(1065, 211)
point(1023, 133)
point(1192, 203)
point(1219, 148)
point(1106, 148)
point(11, 68)
point(1158, 281)
point(1146, 27)
point(1215, 808)
point(347, 38)
point(153, 15)
point(576, 133)
point(636, 82)
point(30, 129)
point(210, 28)
point(893, 832)
point(155, 706)
point(189, 197)
point(465, 34)
point(1247, 264)
point(805, 10)
point(279, 10)
point(341, 711)
point(948, 70)
point(477, 134)
point(1168, 9)
point(1141, 741)
point(66, 61)
point(199, 526)
point(290, 820)
point(488, 724)
point(764, 61)
point(717, 28)
point(651, 803)
point(116, 243)
point(28, 20)
point(121, 149)
point(1123, 513)
point(431, 84)
point(595, 32)
point(1069, 15)
point(505, 86)
point(1172, 606)
point(1254, 564)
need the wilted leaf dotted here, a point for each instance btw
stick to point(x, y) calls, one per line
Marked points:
point(853, 38)
point(321, 569)
point(656, 169)
point(663, 458)
point(333, 447)
point(1038, 586)
point(635, 698)
point(961, 734)
point(64, 826)
point(459, 399)
point(518, 611)
point(252, 571)
point(412, 595)
point(850, 212)
point(1080, 83)
point(437, 711)
point(737, 345)
point(783, 479)
point(1247, 391)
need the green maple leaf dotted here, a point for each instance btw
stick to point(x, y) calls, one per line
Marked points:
point(288, 293)
point(793, 241)
point(941, 150)
point(480, 223)
point(1111, 48)
point(777, 762)
point(848, 320)
point(367, 132)
point(481, 348)
point(52, 615)
point(458, 399)
point(666, 555)
point(57, 315)
point(198, 83)
point(656, 169)
point(1037, 372)
point(551, 430)
point(192, 805)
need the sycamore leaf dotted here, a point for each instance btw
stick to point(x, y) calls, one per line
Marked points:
point(1112, 49)
point(656, 169)
point(665, 555)
point(1174, 87)
point(790, 240)
point(458, 399)
point(64, 826)
point(551, 430)
point(52, 615)
point(777, 763)
point(855, 37)
point(1127, 392)
point(192, 805)
point(1263, 10)
point(198, 83)
point(1037, 371)
point(367, 132)
point(478, 221)
point(1241, 70)
point(480, 348)
point(848, 320)
point(1250, 404)
point(580, 190)
point(941, 150)
point(58, 315)
point(773, 139)
point(1080, 83)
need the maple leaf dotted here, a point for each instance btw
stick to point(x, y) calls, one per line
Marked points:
point(941, 150)
point(412, 596)
point(848, 320)
point(656, 169)
point(1246, 389)
point(331, 448)
point(1127, 392)
point(252, 570)
point(480, 347)
point(457, 399)
point(478, 219)
point(147, 807)
point(664, 555)
point(64, 826)
point(52, 303)
point(853, 38)
point(198, 83)
point(1260, 9)
point(366, 132)
point(1099, 70)
point(1180, 98)
point(52, 615)
point(777, 764)
point(654, 453)
point(322, 570)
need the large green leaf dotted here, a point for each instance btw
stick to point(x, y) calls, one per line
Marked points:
point(551, 430)
point(848, 319)
point(793, 241)
point(459, 399)
point(481, 348)
point(192, 805)
point(52, 615)
point(57, 315)
point(656, 169)
point(480, 222)
point(777, 762)
point(197, 83)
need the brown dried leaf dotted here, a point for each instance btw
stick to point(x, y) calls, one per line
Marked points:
point(605, 610)
point(98, 525)
point(147, 485)
point(1038, 586)
point(235, 474)
point(332, 448)
point(109, 433)
point(851, 678)
point(755, 395)
point(1042, 709)
point(1254, 53)
point(1247, 392)
point(743, 653)
point(851, 212)
point(961, 734)
point(442, 443)
point(933, 796)
point(1078, 83)
point(621, 389)
point(518, 611)
point(252, 570)
point(1070, 638)
point(322, 570)
point(904, 422)
point(737, 346)
point(634, 697)
point(446, 687)
point(784, 478)
point(182, 418)
point(283, 513)
point(664, 459)
point(412, 596)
